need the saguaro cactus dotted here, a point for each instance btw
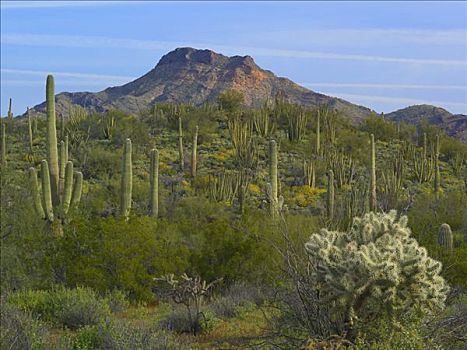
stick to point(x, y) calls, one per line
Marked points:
point(318, 133)
point(194, 151)
point(437, 179)
point(273, 178)
point(373, 175)
point(445, 237)
point(3, 131)
point(330, 195)
point(10, 113)
point(54, 201)
point(127, 180)
point(30, 132)
point(154, 183)
point(180, 144)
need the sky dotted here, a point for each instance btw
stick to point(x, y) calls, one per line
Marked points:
point(383, 55)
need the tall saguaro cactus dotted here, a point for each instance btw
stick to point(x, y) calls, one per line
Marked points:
point(330, 195)
point(180, 143)
point(373, 175)
point(53, 201)
point(445, 237)
point(52, 151)
point(194, 156)
point(127, 180)
point(154, 183)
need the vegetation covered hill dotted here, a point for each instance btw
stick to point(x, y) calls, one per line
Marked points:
point(217, 226)
point(454, 125)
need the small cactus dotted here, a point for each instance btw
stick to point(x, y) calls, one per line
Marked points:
point(273, 199)
point(445, 237)
point(154, 183)
point(10, 113)
point(194, 159)
point(127, 180)
point(180, 144)
point(330, 195)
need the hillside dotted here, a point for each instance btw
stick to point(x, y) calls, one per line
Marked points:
point(455, 125)
point(187, 75)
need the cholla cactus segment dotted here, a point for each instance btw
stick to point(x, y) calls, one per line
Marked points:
point(376, 262)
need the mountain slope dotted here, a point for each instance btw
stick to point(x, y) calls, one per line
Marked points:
point(187, 75)
point(455, 125)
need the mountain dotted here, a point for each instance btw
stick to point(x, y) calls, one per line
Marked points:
point(454, 125)
point(188, 75)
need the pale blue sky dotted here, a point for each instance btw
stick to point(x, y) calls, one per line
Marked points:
point(384, 55)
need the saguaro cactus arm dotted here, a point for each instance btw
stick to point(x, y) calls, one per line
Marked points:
point(194, 156)
point(36, 197)
point(68, 187)
point(77, 188)
point(46, 191)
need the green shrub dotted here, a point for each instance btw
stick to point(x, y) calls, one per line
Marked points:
point(71, 308)
point(20, 330)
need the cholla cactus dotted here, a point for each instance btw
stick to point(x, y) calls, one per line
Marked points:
point(374, 267)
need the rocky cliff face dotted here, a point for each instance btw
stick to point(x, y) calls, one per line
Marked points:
point(187, 75)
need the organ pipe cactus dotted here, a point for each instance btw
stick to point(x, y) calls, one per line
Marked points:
point(194, 156)
point(127, 180)
point(154, 183)
point(445, 237)
point(330, 196)
point(309, 173)
point(373, 175)
point(180, 144)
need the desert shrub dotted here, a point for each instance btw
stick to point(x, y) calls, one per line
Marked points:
point(71, 308)
point(20, 330)
point(382, 129)
point(229, 303)
point(117, 300)
point(179, 321)
point(409, 333)
point(123, 335)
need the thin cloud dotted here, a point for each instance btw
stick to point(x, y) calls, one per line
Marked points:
point(387, 86)
point(87, 77)
point(396, 100)
point(100, 42)
point(6, 5)
point(366, 36)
